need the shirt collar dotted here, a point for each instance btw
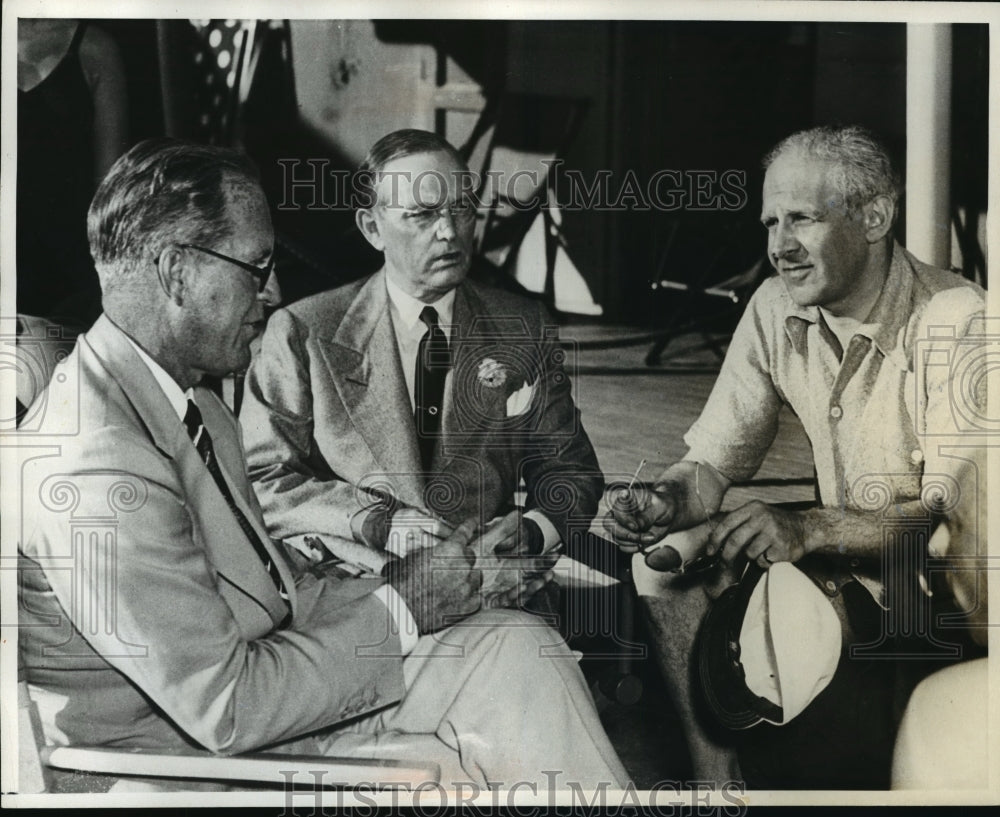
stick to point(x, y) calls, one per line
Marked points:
point(408, 308)
point(888, 318)
point(175, 394)
point(889, 315)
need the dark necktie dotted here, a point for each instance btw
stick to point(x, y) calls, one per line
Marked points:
point(433, 362)
point(203, 443)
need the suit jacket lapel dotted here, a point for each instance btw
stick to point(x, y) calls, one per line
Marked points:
point(473, 334)
point(238, 563)
point(364, 365)
point(231, 462)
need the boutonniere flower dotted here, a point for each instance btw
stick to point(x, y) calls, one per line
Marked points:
point(491, 374)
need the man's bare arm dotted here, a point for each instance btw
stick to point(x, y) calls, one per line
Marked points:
point(769, 534)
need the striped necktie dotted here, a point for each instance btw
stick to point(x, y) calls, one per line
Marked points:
point(203, 443)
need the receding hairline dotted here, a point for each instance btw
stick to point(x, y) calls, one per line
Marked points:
point(861, 166)
point(383, 176)
point(237, 186)
point(459, 163)
point(827, 164)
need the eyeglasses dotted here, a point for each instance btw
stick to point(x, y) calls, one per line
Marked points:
point(664, 558)
point(262, 274)
point(461, 212)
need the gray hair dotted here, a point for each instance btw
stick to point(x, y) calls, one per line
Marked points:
point(863, 167)
point(392, 146)
point(162, 191)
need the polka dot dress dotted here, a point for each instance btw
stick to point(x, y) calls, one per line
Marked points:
point(217, 58)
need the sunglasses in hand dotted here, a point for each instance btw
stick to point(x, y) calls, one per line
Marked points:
point(665, 558)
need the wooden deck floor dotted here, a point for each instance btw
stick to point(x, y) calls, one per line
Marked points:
point(632, 412)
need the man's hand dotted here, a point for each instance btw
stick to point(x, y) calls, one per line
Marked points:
point(524, 539)
point(639, 516)
point(764, 533)
point(411, 530)
point(509, 554)
point(440, 585)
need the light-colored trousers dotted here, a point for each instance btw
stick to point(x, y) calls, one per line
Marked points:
point(497, 700)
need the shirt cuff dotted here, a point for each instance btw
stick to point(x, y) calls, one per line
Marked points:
point(406, 625)
point(550, 536)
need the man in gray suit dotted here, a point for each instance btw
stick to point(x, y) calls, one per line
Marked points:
point(379, 415)
point(156, 611)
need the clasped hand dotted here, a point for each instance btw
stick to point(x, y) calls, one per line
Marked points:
point(444, 583)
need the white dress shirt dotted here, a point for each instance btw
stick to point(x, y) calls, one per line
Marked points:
point(405, 311)
point(177, 397)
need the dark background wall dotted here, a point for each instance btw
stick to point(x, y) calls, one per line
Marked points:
point(683, 96)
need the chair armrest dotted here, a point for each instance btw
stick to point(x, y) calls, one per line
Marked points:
point(279, 769)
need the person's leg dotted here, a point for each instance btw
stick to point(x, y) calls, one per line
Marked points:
point(501, 694)
point(843, 739)
point(674, 607)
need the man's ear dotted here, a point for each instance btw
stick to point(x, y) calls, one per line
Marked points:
point(171, 268)
point(879, 215)
point(368, 224)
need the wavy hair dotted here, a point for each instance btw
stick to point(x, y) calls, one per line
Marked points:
point(161, 191)
point(864, 169)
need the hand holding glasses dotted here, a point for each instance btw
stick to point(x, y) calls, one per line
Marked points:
point(642, 516)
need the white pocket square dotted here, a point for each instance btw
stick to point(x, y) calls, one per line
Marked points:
point(520, 401)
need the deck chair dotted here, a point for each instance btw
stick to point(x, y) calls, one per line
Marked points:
point(95, 769)
point(39, 345)
point(703, 276)
point(520, 138)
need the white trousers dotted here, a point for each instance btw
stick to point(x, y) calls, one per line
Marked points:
point(497, 700)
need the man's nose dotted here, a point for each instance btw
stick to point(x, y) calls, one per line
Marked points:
point(271, 294)
point(783, 242)
point(445, 225)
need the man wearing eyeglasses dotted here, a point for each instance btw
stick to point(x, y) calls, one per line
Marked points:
point(381, 414)
point(156, 611)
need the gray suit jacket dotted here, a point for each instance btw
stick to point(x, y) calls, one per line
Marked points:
point(146, 615)
point(329, 425)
